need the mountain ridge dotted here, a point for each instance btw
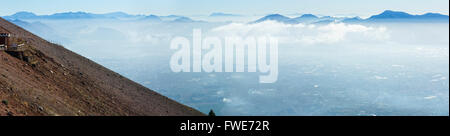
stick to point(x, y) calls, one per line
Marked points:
point(385, 16)
point(388, 15)
point(23, 15)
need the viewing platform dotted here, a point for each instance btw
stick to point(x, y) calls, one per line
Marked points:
point(10, 43)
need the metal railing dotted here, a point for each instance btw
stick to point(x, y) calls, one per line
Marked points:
point(15, 47)
point(2, 47)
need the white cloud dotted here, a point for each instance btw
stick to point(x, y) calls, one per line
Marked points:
point(226, 100)
point(430, 97)
point(380, 78)
point(142, 37)
point(306, 34)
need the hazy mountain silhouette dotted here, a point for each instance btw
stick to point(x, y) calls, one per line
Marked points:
point(22, 15)
point(84, 15)
point(398, 16)
point(307, 18)
point(352, 20)
point(386, 16)
point(278, 18)
point(151, 18)
point(68, 15)
point(183, 20)
point(220, 14)
point(40, 29)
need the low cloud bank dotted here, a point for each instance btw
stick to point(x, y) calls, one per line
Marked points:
point(306, 34)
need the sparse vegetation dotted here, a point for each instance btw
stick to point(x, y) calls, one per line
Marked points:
point(5, 102)
point(211, 113)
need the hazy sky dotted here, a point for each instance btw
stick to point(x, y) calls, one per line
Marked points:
point(246, 7)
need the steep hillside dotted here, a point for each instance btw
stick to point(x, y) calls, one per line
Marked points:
point(51, 80)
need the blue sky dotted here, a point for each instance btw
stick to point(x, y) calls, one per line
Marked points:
point(246, 7)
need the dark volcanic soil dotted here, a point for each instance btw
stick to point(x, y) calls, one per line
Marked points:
point(65, 83)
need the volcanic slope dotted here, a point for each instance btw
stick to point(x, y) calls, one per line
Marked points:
point(49, 80)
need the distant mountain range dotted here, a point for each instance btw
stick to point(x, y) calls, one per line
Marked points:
point(389, 15)
point(386, 16)
point(305, 19)
point(84, 15)
point(40, 29)
point(277, 17)
point(65, 15)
